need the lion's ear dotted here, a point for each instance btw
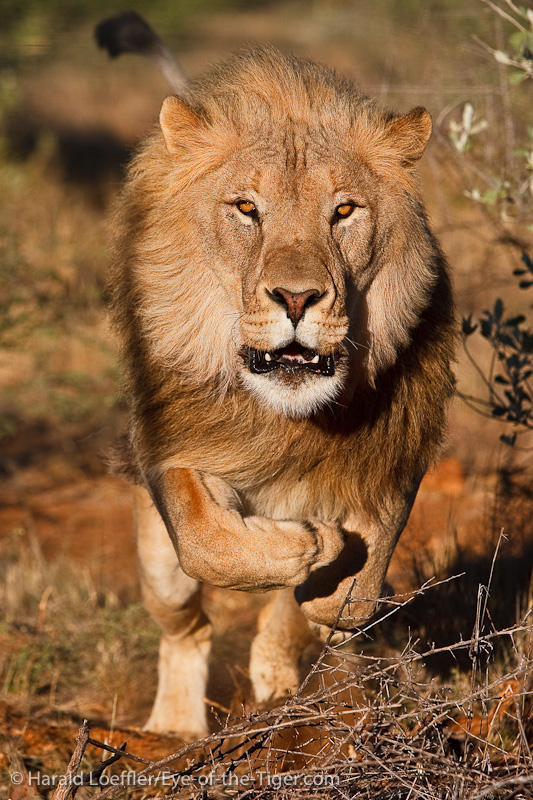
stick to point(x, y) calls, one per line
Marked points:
point(177, 122)
point(410, 134)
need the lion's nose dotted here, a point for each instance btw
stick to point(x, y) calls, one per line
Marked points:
point(296, 303)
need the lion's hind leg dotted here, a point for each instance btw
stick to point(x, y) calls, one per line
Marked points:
point(276, 650)
point(173, 599)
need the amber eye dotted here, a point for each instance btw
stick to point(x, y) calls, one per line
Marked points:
point(246, 207)
point(344, 210)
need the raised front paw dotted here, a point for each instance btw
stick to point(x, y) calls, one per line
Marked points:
point(330, 541)
point(291, 550)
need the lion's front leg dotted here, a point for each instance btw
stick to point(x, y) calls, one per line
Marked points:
point(361, 567)
point(216, 544)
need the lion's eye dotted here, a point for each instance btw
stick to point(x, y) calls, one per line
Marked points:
point(246, 207)
point(344, 210)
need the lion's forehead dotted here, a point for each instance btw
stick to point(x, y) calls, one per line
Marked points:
point(296, 167)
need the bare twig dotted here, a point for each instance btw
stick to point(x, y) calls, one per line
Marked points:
point(66, 786)
point(504, 15)
point(518, 781)
point(93, 777)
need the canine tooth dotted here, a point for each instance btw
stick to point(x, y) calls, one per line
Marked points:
point(315, 360)
point(268, 357)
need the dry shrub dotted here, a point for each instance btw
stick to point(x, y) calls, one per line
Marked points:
point(365, 726)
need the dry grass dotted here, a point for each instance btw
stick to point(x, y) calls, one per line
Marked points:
point(70, 644)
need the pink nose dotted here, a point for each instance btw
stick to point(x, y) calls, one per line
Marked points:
point(295, 302)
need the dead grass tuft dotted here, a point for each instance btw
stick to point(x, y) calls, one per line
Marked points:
point(71, 646)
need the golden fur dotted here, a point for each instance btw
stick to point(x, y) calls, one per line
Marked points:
point(264, 479)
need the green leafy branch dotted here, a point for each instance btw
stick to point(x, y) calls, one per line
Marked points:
point(510, 394)
point(520, 52)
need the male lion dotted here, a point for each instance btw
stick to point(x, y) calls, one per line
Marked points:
point(287, 329)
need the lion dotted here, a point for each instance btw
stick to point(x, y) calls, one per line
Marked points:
point(287, 331)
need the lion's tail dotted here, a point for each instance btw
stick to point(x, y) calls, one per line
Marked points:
point(129, 33)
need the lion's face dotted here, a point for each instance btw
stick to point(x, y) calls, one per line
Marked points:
point(284, 232)
point(292, 250)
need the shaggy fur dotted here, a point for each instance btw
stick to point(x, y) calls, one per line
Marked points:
point(288, 478)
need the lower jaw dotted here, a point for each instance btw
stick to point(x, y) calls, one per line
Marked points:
point(293, 378)
point(294, 393)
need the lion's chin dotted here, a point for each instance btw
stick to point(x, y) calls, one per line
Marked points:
point(294, 393)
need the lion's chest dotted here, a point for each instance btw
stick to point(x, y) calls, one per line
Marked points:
point(303, 497)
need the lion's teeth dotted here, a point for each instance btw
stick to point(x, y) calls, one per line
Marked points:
point(315, 360)
point(268, 357)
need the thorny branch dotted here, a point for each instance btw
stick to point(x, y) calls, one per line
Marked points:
point(369, 742)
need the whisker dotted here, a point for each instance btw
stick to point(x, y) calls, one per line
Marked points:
point(356, 345)
point(336, 403)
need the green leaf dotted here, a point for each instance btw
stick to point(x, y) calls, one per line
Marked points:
point(517, 77)
point(491, 196)
point(514, 321)
point(498, 411)
point(510, 440)
point(505, 340)
point(486, 327)
point(468, 327)
point(527, 261)
point(527, 342)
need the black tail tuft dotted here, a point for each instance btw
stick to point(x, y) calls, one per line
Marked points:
point(125, 33)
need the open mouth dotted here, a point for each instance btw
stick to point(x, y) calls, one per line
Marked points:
point(290, 358)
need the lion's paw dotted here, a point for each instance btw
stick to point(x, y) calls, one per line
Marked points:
point(315, 545)
point(330, 542)
point(289, 550)
point(323, 632)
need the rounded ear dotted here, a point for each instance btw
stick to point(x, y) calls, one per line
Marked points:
point(410, 134)
point(178, 122)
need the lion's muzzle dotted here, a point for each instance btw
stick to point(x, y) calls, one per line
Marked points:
point(295, 303)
